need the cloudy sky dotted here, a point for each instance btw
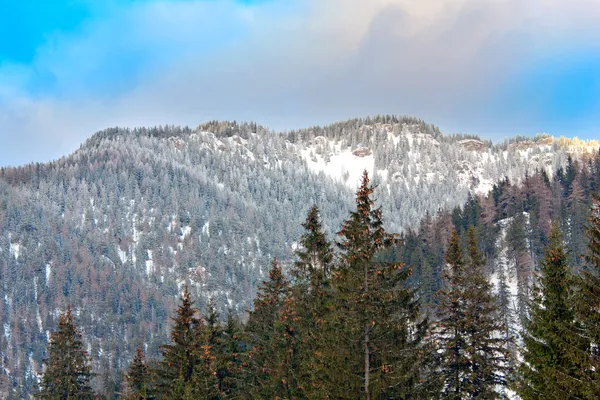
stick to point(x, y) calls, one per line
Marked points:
point(493, 67)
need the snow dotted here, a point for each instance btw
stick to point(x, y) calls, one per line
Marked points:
point(149, 264)
point(48, 273)
point(185, 232)
point(507, 265)
point(343, 166)
point(15, 250)
point(122, 255)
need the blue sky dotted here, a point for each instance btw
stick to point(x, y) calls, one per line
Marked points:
point(496, 68)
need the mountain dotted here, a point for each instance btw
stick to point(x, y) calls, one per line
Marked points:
point(119, 226)
point(513, 225)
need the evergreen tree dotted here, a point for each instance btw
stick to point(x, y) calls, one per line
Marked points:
point(68, 372)
point(230, 359)
point(315, 254)
point(181, 356)
point(138, 377)
point(587, 307)
point(206, 384)
point(548, 371)
point(507, 308)
point(309, 303)
point(378, 335)
point(452, 322)
point(270, 371)
point(485, 347)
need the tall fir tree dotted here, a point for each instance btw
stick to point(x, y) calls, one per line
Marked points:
point(310, 302)
point(549, 339)
point(587, 308)
point(270, 370)
point(205, 380)
point(180, 357)
point(485, 347)
point(377, 326)
point(451, 326)
point(507, 310)
point(315, 254)
point(68, 372)
point(138, 377)
point(230, 357)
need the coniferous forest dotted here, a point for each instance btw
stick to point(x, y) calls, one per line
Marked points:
point(374, 314)
point(234, 262)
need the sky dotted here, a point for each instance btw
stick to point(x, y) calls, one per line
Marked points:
point(496, 68)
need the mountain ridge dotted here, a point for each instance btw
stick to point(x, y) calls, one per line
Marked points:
point(120, 225)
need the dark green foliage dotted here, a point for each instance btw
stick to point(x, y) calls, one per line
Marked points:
point(548, 371)
point(272, 359)
point(486, 348)
point(310, 304)
point(230, 358)
point(138, 377)
point(376, 317)
point(68, 372)
point(315, 255)
point(206, 383)
point(451, 323)
point(474, 359)
point(182, 355)
point(587, 308)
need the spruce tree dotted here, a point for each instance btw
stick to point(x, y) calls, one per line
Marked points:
point(587, 307)
point(315, 254)
point(138, 377)
point(548, 371)
point(230, 358)
point(507, 310)
point(485, 346)
point(452, 322)
point(180, 356)
point(270, 372)
point(310, 301)
point(68, 371)
point(205, 380)
point(376, 350)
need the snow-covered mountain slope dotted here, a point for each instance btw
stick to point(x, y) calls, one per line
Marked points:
point(116, 228)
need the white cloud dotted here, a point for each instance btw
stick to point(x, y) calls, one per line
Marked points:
point(285, 64)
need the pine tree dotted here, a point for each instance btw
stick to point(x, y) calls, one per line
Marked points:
point(587, 307)
point(378, 334)
point(181, 356)
point(485, 347)
point(507, 310)
point(310, 301)
point(315, 254)
point(451, 326)
point(68, 372)
point(138, 377)
point(230, 358)
point(270, 370)
point(548, 371)
point(205, 382)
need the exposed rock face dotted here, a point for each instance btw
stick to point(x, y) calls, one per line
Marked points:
point(362, 152)
point(472, 144)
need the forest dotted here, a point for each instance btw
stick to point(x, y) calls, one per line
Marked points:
point(117, 228)
point(374, 314)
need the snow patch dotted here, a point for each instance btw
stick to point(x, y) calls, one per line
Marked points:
point(345, 166)
point(15, 250)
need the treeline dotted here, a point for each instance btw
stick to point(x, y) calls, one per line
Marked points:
point(346, 323)
point(113, 228)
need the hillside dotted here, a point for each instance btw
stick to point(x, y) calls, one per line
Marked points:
point(119, 226)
